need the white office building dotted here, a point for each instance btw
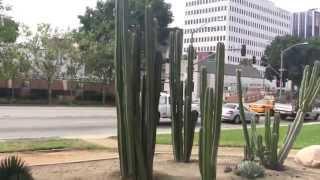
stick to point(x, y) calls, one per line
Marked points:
point(254, 23)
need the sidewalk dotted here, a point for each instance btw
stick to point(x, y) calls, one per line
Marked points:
point(66, 157)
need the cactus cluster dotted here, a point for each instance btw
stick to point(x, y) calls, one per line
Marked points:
point(137, 93)
point(268, 152)
point(183, 120)
point(211, 110)
point(309, 91)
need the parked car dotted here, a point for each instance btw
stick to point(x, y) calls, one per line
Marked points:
point(262, 106)
point(289, 110)
point(231, 113)
point(165, 106)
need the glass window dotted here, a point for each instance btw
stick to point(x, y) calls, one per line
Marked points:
point(231, 106)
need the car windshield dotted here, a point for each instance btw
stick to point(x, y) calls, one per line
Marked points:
point(231, 106)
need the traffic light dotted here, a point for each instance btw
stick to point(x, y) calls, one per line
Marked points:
point(254, 60)
point(243, 50)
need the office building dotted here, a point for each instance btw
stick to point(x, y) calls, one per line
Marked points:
point(306, 24)
point(254, 23)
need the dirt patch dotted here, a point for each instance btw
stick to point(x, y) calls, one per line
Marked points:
point(165, 169)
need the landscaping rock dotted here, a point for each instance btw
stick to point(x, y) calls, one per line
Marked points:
point(309, 157)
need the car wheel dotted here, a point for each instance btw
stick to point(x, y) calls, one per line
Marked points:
point(257, 118)
point(283, 116)
point(271, 112)
point(237, 120)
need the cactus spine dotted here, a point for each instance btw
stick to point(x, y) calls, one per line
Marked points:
point(182, 140)
point(211, 119)
point(309, 90)
point(137, 94)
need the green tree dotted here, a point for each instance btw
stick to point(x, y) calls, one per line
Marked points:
point(100, 22)
point(98, 61)
point(75, 65)
point(97, 34)
point(9, 29)
point(13, 65)
point(49, 50)
point(294, 60)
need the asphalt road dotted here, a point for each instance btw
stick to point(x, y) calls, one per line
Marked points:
point(71, 122)
point(36, 122)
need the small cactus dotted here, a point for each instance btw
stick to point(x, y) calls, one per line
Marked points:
point(268, 153)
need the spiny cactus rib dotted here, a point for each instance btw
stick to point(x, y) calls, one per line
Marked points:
point(211, 109)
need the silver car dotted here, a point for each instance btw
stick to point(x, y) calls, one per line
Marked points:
point(231, 113)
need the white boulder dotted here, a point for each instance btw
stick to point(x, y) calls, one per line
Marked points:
point(309, 157)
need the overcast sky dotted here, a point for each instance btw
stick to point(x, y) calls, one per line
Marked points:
point(64, 13)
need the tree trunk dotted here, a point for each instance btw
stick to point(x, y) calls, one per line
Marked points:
point(103, 94)
point(49, 92)
point(71, 91)
point(12, 92)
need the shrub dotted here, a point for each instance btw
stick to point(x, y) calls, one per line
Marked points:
point(249, 169)
point(14, 168)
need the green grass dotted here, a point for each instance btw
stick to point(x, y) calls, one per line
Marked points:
point(310, 135)
point(45, 144)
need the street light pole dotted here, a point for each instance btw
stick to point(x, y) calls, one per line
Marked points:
point(281, 73)
point(281, 65)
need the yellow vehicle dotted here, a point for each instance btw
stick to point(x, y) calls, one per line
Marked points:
point(263, 106)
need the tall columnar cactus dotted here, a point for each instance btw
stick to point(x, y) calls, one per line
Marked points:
point(176, 93)
point(186, 119)
point(211, 119)
point(309, 90)
point(190, 116)
point(203, 89)
point(137, 93)
point(249, 150)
